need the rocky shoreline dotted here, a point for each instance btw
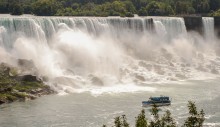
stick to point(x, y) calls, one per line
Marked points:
point(20, 87)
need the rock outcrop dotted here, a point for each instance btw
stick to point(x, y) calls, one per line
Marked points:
point(217, 25)
point(194, 23)
point(17, 87)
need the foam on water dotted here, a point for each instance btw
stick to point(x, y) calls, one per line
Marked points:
point(110, 55)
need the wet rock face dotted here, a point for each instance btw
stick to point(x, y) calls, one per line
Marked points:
point(217, 25)
point(25, 63)
point(96, 80)
point(29, 78)
point(194, 23)
point(27, 66)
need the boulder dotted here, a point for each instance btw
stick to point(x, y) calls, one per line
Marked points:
point(29, 78)
point(4, 90)
point(27, 66)
point(2, 101)
point(140, 77)
point(25, 63)
point(97, 81)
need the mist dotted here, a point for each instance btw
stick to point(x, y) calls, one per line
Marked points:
point(110, 54)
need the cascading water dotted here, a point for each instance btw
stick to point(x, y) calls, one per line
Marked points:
point(170, 27)
point(209, 32)
point(105, 54)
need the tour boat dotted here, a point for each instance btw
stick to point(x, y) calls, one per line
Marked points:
point(158, 101)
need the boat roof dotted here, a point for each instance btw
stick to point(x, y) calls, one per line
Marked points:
point(159, 98)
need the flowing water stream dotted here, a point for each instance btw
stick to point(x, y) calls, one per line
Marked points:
point(103, 67)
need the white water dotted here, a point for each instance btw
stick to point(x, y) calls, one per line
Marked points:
point(110, 54)
point(209, 32)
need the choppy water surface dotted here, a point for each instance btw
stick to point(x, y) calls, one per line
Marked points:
point(87, 110)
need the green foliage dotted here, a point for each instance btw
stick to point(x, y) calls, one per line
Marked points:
point(12, 88)
point(196, 119)
point(217, 13)
point(27, 86)
point(184, 7)
point(158, 8)
point(16, 9)
point(120, 121)
point(201, 6)
point(4, 8)
point(153, 8)
point(7, 96)
point(141, 121)
point(156, 121)
point(109, 7)
point(214, 4)
point(45, 7)
point(142, 12)
point(167, 120)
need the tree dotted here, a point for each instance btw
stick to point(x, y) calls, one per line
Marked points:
point(45, 7)
point(167, 120)
point(153, 8)
point(141, 120)
point(214, 4)
point(3, 7)
point(156, 121)
point(196, 118)
point(201, 6)
point(129, 7)
point(166, 9)
point(183, 7)
point(27, 9)
point(16, 9)
point(217, 13)
point(142, 12)
point(121, 121)
point(159, 8)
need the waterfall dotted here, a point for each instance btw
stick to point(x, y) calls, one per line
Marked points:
point(208, 24)
point(44, 28)
point(86, 53)
point(171, 26)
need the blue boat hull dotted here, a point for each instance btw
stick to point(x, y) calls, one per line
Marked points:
point(147, 104)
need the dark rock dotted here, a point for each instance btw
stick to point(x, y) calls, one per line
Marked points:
point(181, 76)
point(217, 25)
point(194, 23)
point(27, 66)
point(139, 77)
point(37, 91)
point(3, 100)
point(4, 90)
point(95, 80)
point(20, 87)
point(25, 63)
point(5, 68)
point(145, 65)
point(29, 78)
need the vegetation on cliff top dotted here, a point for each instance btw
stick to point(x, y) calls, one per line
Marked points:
point(14, 87)
point(110, 7)
point(195, 119)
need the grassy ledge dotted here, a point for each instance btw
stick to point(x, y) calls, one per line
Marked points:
point(14, 87)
